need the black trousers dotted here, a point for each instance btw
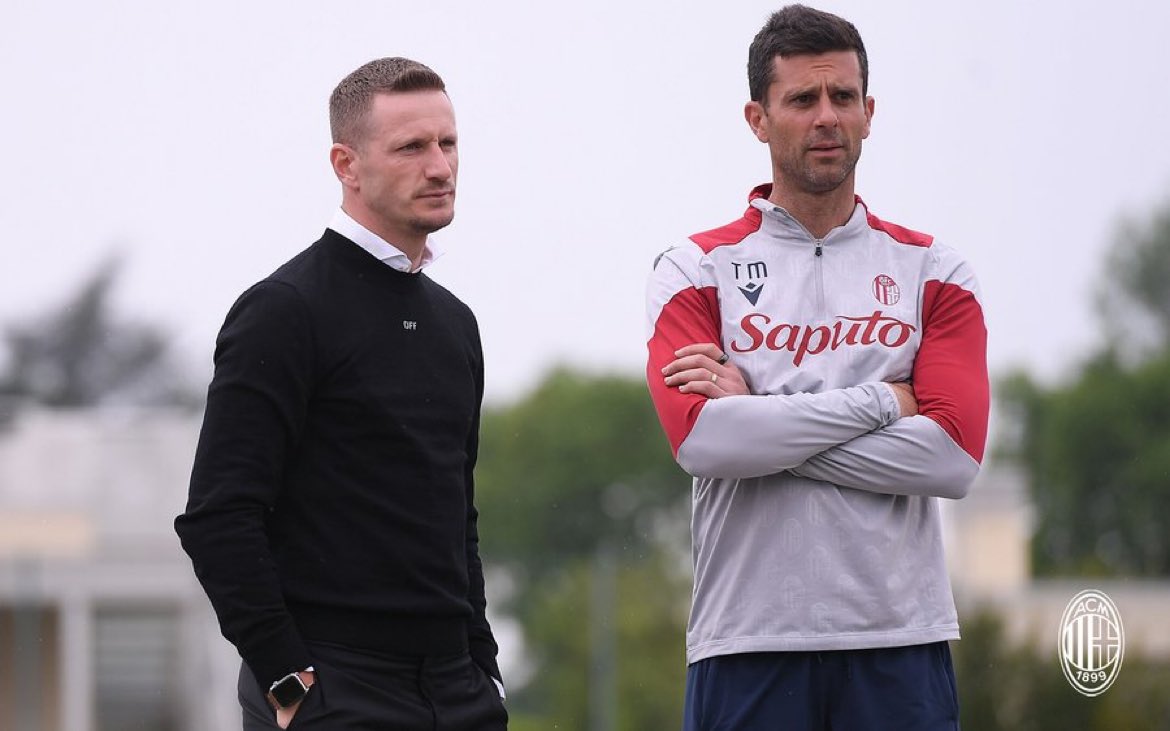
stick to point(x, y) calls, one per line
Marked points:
point(360, 691)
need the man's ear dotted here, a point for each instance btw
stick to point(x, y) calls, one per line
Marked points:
point(754, 113)
point(344, 160)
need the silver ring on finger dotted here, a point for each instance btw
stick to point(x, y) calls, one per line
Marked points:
point(714, 377)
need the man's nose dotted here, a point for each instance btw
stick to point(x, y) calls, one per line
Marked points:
point(438, 165)
point(826, 112)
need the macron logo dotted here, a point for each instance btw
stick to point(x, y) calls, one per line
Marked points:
point(752, 291)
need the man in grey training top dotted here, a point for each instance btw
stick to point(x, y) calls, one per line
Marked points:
point(822, 375)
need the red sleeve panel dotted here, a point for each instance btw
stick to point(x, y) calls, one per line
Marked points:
point(950, 371)
point(690, 316)
point(683, 310)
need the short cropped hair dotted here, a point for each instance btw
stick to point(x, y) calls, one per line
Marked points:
point(350, 102)
point(798, 30)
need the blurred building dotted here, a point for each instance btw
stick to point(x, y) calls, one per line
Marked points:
point(102, 624)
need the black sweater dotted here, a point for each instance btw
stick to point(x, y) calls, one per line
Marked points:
point(331, 495)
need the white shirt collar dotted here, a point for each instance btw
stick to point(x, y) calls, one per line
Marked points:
point(380, 248)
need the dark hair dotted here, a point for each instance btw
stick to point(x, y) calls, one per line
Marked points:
point(350, 102)
point(799, 30)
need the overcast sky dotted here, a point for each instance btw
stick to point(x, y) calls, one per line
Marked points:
point(192, 137)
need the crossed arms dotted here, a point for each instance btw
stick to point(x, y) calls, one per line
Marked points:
point(888, 438)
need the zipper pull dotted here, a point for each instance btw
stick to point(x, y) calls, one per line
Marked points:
point(818, 249)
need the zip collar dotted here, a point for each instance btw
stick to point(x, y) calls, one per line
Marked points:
point(779, 222)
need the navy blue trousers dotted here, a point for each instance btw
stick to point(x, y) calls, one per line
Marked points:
point(888, 689)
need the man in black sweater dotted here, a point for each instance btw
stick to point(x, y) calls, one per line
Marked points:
point(331, 517)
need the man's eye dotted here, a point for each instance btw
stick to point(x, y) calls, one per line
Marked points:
point(411, 147)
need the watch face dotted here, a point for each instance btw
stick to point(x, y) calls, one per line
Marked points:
point(288, 690)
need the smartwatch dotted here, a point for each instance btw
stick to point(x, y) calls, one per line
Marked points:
point(287, 692)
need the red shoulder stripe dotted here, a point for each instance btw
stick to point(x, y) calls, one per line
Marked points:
point(901, 234)
point(735, 231)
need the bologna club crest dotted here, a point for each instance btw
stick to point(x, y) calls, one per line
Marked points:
point(886, 290)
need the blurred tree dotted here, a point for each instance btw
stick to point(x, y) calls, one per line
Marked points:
point(81, 355)
point(1097, 448)
point(1098, 455)
point(576, 477)
point(578, 462)
point(1134, 299)
point(649, 667)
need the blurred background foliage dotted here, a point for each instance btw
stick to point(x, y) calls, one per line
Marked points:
point(587, 513)
point(81, 354)
point(1006, 687)
point(1096, 448)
